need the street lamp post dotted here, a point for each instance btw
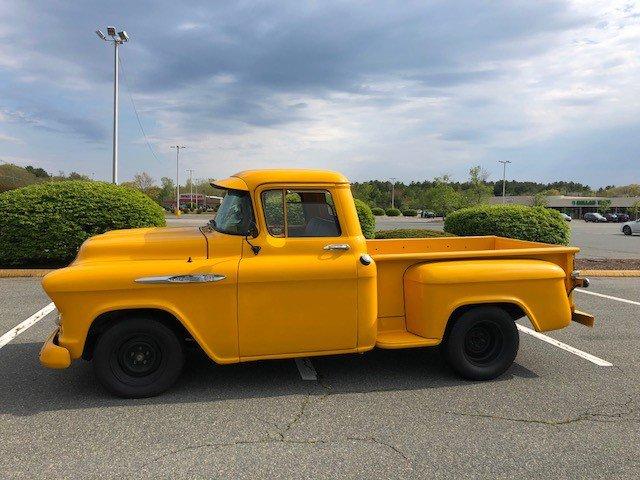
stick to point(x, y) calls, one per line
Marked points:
point(393, 192)
point(504, 177)
point(190, 184)
point(178, 147)
point(117, 40)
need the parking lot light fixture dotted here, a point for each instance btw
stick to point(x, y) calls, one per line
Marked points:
point(116, 40)
point(393, 192)
point(504, 177)
point(178, 147)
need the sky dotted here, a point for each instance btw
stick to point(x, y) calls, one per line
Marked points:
point(409, 90)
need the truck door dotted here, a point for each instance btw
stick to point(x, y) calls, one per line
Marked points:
point(299, 294)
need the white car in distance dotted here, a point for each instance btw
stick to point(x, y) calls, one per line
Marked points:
point(630, 228)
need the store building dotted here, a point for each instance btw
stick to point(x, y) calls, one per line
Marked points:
point(575, 207)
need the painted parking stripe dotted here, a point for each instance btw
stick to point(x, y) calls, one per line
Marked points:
point(29, 322)
point(617, 299)
point(564, 346)
point(306, 369)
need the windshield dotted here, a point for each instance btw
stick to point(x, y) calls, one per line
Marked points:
point(235, 215)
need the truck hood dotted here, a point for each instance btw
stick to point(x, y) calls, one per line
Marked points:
point(144, 244)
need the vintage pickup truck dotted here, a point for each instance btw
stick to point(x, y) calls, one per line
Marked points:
point(284, 271)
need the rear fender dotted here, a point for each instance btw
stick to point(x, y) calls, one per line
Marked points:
point(435, 291)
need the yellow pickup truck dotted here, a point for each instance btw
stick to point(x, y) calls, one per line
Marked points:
point(284, 271)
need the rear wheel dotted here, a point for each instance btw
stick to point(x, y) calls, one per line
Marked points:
point(138, 357)
point(626, 230)
point(482, 343)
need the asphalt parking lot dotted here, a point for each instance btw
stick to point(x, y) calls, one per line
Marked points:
point(596, 240)
point(384, 414)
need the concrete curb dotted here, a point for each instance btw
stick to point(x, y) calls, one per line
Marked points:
point(24, 272)
point(610, 273)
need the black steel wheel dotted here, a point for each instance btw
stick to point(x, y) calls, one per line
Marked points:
point(138, 357)
point(626, 230)
point(482, 343)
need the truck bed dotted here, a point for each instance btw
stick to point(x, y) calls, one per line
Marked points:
point(394, 256)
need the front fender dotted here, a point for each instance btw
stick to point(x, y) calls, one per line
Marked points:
point(208, 311)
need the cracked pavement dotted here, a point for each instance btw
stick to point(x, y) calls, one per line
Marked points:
point(384, 414)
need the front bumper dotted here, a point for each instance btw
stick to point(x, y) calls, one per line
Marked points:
point(53, 355)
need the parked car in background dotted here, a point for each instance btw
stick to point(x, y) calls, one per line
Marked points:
point(611, 217)
point(623, 217)
point(630, 228)
point(565, 216)
point(427, 214)
point(594, 217)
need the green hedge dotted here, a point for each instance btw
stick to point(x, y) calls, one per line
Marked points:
point(392, 212)
point(410, 233)
point(409, 212)
point(45, 224)
point(366, 219)
point(537, 224)
point(377, 211)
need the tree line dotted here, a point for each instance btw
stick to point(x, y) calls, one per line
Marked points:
point(441, 195)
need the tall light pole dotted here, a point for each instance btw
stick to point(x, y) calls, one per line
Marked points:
point(190, 170)
point(504, 177)
point(178, 147)
point(117, 40)
point(393, 192)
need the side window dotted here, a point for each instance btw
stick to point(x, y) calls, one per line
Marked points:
point(300, 213)
point(273, 205)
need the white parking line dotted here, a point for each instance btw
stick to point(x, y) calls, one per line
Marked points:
point(617, 299)
point(29, 322)
point(306, 369)
point(564, 346)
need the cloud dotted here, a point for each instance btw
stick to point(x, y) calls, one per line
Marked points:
point(360, 87)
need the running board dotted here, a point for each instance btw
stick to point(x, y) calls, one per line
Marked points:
point(391, 339)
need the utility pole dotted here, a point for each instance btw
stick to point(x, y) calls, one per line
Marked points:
point(196, 194)
point(393, 192)
point(178, 147)
point(117, 40)
point(190, 184)
point(504, 177)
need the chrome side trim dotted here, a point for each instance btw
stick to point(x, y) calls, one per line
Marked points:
point(201, 278)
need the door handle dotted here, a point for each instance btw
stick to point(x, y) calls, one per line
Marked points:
point(337, 246)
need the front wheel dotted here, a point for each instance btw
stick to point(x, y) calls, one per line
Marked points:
point(482, 343)
point(626, 230)
point(138, 357)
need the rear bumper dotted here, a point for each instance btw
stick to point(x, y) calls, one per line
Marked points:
point(583, 318)
point(53, 355)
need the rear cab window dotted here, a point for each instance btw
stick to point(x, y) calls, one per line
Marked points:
point(296, 213)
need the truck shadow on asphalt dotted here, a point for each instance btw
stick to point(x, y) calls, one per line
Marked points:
point(28, 388)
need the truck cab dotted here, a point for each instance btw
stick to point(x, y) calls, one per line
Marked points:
point(284, 271)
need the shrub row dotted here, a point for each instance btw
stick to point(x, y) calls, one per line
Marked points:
point(45, 224)
point(366, 219)
point(392, 212)
point(377, 211)
point(410, 233)
point(537, 224)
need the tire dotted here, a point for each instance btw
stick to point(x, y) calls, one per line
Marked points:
point(137, 358)
point(482, 343)
point(626, 230)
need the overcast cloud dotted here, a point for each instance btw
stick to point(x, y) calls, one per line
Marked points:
point(373, 89)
